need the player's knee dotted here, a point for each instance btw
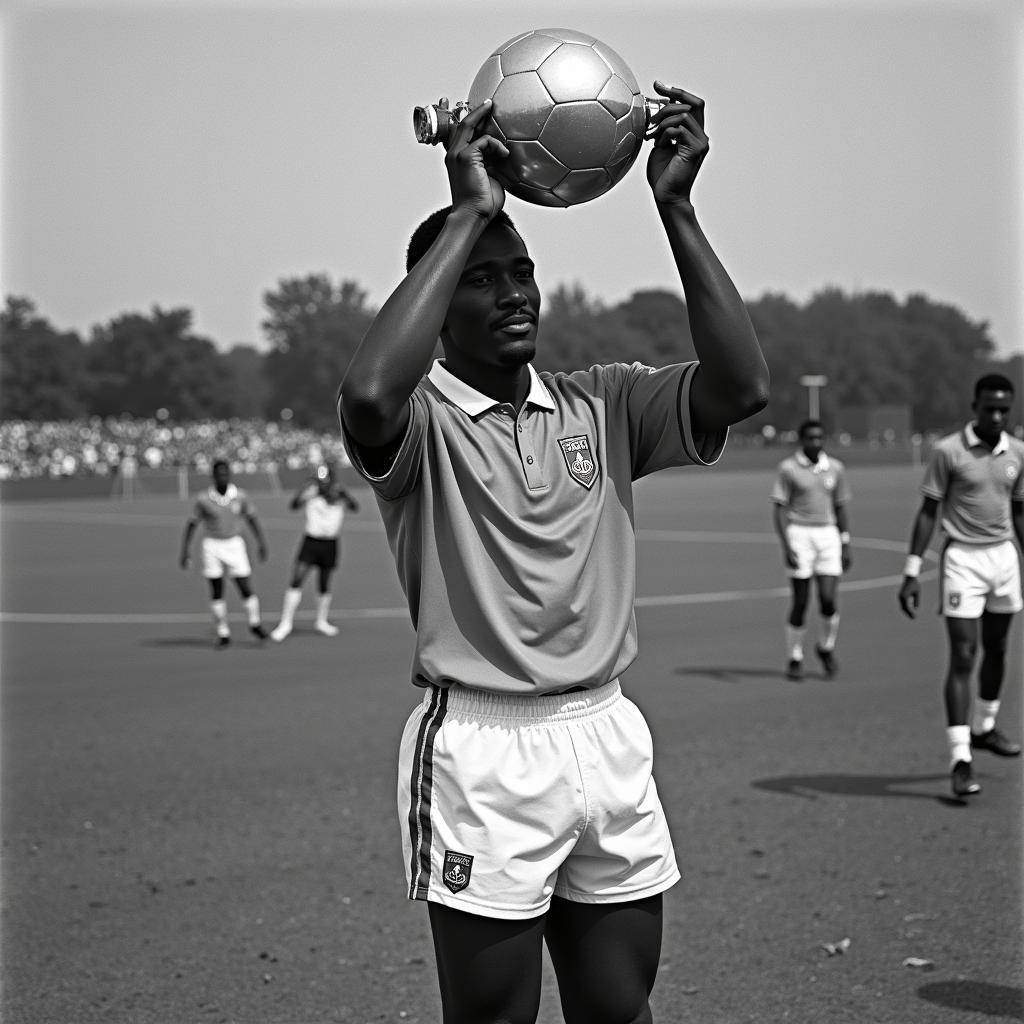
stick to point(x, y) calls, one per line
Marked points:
point(609, 1003)
point(828, 607)
point(962, 653)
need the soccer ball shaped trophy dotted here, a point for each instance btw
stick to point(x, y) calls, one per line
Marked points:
point(567, 107)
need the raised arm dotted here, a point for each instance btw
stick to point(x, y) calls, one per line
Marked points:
point(396, 350)
point(732, 382)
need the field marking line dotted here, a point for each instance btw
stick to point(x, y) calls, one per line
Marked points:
point(654, 601)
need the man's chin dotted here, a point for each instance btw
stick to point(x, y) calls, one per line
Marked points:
point(518, 353)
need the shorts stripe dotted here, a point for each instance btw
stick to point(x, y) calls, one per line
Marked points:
point(421, 786)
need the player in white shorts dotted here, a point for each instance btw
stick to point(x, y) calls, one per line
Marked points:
point(323, 501)
point(220, 510)
point(975, 482)
point(809, 509)
point(528, 808)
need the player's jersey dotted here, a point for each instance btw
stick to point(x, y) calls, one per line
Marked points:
point(513, 534)
point(221, 514)
point(810, 491)
point(975, 485)
point(323, 517)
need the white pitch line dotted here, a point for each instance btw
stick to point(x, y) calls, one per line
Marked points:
point(654, 601)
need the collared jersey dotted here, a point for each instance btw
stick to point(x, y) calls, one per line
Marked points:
point(811, 491)
point(975, 485)
point(221, 514)
point(513, 535)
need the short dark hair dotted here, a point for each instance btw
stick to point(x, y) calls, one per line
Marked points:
point(807, 425)
point(220, 462)
point(426, 234)
point(992, 382)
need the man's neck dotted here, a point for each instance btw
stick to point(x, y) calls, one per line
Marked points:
point(509, 386)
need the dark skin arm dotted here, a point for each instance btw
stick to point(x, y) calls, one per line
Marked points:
point(186, 542)
point(732, 381)
point(909, 595)
point(843, 522)
point(780, 517)
point(396, 351)
point(302, 495)
point(257, 532)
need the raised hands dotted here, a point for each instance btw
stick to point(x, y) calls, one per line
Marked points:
point(680, 145)
point(466, 159)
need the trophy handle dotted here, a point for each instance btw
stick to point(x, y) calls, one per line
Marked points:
point(433, 123)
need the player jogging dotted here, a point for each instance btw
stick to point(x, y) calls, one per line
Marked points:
point(220, 509)
point(974, 482)
point(528, 809)
point(324, 501)
point(809, 502)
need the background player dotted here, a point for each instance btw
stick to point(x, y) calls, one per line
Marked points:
point(809, 502)
point(220, 509)
point(975, 481)
point(507, 499)
point(324, 501)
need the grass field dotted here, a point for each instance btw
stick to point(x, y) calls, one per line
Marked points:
point(192, 835)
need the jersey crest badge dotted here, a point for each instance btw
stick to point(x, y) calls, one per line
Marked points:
point(580, 460)
point(1011, 471)
point(457, 869)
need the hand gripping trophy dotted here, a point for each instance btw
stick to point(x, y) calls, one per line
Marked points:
point(567, 107)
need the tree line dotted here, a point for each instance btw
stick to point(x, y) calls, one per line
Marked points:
point(874, 349)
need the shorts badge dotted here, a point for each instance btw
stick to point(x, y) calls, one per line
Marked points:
point(953, 599)
point(457, 869)
point(580, 459)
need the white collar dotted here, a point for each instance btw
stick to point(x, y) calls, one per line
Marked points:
point(473, 402)
point(972, 439)
point(821, 466)
point(227, 497)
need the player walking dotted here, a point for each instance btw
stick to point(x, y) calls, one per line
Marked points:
point(525, 789)
point(809, 502)
point(220, 509)
point(324, 501)
point(974, 481)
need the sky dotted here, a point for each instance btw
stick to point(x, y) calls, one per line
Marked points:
point(196, 154)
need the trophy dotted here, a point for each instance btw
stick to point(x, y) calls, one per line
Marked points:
point(566, 106)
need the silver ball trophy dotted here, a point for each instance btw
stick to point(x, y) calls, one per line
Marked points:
point(567, 107)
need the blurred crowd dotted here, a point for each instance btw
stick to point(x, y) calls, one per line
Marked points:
point(109, 447)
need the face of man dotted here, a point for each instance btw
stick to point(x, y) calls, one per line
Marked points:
point(813, 441)
point(221, 476)
point(991, 414)
point(493, 315)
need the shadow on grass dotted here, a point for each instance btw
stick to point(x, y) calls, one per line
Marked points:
point(1002, 1001)
point(199, 642)
point(808, 786)
point(725, 674)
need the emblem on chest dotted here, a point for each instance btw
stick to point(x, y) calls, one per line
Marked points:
point(579, 459)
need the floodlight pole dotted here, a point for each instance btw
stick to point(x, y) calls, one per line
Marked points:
point(813, 382)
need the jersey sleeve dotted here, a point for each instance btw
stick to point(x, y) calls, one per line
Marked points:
point(936, 474)
point(402, 477)
point(654, 406)
point(781, 489)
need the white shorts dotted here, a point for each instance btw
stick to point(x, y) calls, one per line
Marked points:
point(225, 555)
point(818, 551)
point(505, 801)
point(980, 578)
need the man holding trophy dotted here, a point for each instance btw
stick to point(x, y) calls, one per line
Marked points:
point(526, 797)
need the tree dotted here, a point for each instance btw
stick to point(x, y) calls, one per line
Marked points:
point(142, 363)
point(248, 389)
point(41, 368)
point(314, 329)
